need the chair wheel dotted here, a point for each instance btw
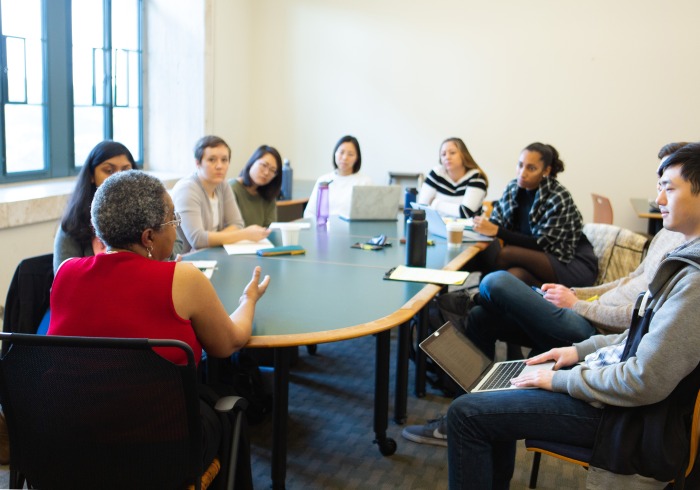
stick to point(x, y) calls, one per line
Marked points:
point(387, 446)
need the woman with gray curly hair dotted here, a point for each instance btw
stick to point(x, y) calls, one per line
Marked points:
point(132, 291)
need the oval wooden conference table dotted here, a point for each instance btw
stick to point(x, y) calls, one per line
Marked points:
point(333, 293)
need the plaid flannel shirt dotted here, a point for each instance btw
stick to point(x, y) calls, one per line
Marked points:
point(554, 218)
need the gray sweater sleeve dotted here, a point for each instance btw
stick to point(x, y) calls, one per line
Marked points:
point(666, 354)
point(65, 247)
point(190, 201)
point(612, 311)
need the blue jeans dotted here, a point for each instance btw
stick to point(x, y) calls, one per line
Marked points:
point(482, 429)
point(509, 310)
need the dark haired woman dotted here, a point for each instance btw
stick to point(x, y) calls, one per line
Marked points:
point(347, 160)
point(540, 226)
point(75, 236)
point(258, 185)
point(457, 186)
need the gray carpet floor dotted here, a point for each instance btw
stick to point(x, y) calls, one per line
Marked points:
point(330, 432)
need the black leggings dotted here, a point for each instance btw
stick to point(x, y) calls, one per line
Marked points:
point(533, 267)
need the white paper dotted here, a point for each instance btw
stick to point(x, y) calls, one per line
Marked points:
point(247, 247)
point(206, 266)
point(298, 225)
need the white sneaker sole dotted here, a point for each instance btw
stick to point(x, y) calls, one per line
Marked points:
point(423, 440)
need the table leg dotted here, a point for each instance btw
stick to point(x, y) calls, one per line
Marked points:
point(387, 446)
point(401, 394)
point(280, 415)
point(654, 226)
point(421, 333)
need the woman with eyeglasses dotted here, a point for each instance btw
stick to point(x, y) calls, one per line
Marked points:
point(347, 160)
point(157, 298)
point(75, 236)
point(210, 215)
point(258, 185)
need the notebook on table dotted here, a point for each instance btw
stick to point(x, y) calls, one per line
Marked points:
point(468, 366)
point(374, 203)
point(438, 227)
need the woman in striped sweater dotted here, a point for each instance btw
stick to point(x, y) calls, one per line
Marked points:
point(457, 186)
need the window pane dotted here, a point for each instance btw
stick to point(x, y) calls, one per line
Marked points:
point(126, 129)
point(121, 78)
point(125, 33)
point(24, 137)
point(88, 123)
point(24, 115)
point(16, 70)
point(21, 18)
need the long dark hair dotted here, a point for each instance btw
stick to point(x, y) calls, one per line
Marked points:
point(353, 140)
point(549, 156)
point(271, 190)
point(76, 219)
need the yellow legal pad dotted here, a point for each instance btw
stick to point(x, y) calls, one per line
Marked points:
point(421, 274)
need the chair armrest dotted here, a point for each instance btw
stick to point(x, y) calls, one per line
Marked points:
point(229, 403)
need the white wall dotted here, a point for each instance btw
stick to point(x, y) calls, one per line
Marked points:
point(607, 83)
point(174, 82)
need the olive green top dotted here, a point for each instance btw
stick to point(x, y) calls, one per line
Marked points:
point(255, 209)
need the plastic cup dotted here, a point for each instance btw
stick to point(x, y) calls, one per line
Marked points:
point(454, 234)
point(290, 236)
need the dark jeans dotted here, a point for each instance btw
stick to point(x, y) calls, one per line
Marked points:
point(482, 429)
point(509, 310)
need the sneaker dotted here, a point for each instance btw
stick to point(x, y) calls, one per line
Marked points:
point(434, 432)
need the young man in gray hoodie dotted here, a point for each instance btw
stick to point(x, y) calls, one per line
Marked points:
point(628, 374)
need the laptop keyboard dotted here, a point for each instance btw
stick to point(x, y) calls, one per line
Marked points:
point(501, 376)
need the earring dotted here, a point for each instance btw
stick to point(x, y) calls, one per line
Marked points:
point(149, 250)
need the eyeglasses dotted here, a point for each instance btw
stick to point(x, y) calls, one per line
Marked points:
point(266, 166)
point(176, 222)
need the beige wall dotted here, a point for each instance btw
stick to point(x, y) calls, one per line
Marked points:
point(607, 83)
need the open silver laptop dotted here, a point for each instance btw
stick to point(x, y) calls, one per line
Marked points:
point(374, 203)
point(468, 366)
point(438, 227)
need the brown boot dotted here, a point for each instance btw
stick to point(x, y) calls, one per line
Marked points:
point(4, 441)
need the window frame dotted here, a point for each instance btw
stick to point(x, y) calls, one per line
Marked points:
point(58, 102)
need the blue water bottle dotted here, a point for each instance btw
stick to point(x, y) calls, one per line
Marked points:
point(322, 205)
point(287, 174)
point(409, 196)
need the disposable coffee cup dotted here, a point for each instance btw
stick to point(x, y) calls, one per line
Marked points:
point(290, 236)
point(454, 234)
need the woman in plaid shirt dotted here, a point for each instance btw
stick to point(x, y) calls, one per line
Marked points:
point(539, 225)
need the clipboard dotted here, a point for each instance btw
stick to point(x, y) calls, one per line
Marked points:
point(421, 274)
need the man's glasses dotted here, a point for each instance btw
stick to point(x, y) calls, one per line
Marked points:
point(176, 222)
point(266, 166)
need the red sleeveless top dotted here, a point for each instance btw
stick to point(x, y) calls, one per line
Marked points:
point(120, 295)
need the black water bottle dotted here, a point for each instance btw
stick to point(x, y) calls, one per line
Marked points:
point(416, 238)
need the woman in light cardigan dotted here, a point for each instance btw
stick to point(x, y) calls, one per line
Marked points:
point(210, 215)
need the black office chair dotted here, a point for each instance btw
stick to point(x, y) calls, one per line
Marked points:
point(108, 413)
point(28, 296)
